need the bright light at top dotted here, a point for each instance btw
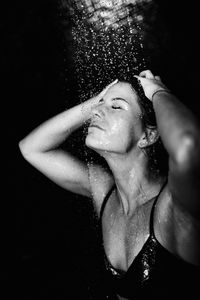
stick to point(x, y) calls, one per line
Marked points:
point(110, 13)
point(107, 40)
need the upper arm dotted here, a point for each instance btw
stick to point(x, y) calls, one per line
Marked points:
point(65, 170)
point(101, 181)
point(179, 206)
point(184, 179)
point(90, 180)
point(176, 229)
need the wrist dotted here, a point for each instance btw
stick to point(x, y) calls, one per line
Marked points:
point(86, 108)
point(158, 91)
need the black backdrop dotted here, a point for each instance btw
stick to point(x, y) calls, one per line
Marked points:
point(56, 244)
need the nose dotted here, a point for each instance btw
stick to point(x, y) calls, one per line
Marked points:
point(98, 111)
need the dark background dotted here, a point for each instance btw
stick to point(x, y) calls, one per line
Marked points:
point(56, 245)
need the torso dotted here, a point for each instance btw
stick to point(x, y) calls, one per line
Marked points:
point(124, 237)
point(139, 250)
point(127, 243)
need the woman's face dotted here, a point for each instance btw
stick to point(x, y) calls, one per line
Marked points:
point(116, 123)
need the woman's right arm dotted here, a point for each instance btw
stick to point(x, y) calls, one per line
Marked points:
point(41, 148)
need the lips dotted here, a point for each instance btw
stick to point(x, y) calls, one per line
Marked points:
point(96, 126)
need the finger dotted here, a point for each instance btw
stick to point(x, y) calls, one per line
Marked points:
point(147, 74)
point(139, 78)
point(108, 86)
point(158, 78)
point(112, 83)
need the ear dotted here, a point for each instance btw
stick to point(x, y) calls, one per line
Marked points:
point(148, 138)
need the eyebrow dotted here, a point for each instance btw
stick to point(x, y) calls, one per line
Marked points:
point(119, 98)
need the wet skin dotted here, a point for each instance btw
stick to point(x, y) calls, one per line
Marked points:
point(116, 120)
point(116, 127)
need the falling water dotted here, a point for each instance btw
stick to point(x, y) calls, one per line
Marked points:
point(107, 41)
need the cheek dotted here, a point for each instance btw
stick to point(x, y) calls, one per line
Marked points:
point(115, 127)
point(126, 132)
point(121, 134)
point(119, 131)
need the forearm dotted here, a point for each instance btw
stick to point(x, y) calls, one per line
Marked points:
point(56, 130)
point(176, 124)
point(53, 132)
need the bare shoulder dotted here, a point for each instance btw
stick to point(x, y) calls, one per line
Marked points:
point(176, 229)
point(101, 181)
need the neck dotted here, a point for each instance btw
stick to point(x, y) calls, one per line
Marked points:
point(134, 184)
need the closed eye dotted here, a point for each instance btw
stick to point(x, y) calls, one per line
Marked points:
point(116, 107)
point(117, 101)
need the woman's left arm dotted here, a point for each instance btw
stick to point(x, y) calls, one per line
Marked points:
point(180, 133)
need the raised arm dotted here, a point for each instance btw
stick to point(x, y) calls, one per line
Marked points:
point(180, 134)
point(41, 148)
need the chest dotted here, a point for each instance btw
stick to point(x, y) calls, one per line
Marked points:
point(123, 237)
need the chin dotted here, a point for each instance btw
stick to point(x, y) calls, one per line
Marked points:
point(94, 143)
point(102, 147)
point(99, 144)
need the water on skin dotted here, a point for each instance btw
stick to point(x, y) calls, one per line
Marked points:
point(104, 51)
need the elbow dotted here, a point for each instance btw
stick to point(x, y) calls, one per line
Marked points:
point(188, 153)
point(23, 148)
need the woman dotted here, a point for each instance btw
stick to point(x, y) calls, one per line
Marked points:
point(150, 220)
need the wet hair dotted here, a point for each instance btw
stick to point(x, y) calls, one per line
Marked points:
point(156, 153)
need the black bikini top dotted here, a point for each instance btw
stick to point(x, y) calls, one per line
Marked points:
point(154, 272)
point(117, 272)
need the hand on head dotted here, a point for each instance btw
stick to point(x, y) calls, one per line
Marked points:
point(107, 88)
point(96, 99)
point(150, 83)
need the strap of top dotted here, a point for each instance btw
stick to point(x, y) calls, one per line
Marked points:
point(152, 210)
point(105, 201)
point(151, 229)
